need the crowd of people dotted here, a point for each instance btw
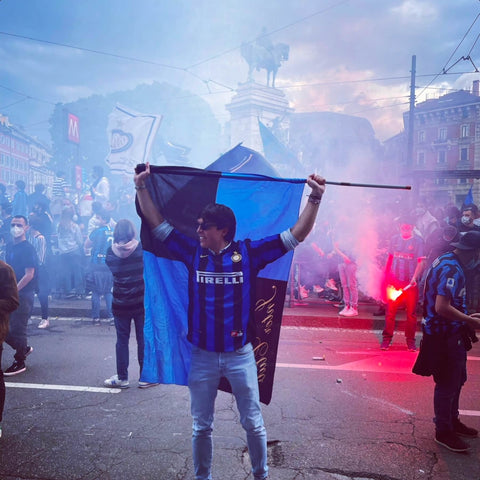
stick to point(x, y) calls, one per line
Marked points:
point(52, 245)
point(60, 224)
point(406, 244)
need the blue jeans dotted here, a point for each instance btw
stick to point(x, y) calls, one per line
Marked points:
point(96, 304)
point(348, 279)
point(122, 326)
point(43, 289)
point(17, 334)
point(449, 383)
point(240, 369)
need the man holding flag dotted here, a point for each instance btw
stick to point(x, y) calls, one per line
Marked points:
point(222, 273)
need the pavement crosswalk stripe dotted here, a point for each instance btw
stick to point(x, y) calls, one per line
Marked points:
point(73, 388)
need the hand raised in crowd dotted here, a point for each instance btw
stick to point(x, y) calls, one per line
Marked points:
point(140, 178)
point(317, 184)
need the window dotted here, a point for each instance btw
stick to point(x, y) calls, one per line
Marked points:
point(421, 136)
point(442, 157)
point(442, 134)
point(465, 131)
point(464, 154)
point(421, 158)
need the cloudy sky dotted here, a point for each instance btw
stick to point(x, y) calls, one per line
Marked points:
point(349, 56)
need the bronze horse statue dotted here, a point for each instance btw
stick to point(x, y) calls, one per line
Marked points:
point(259, 57)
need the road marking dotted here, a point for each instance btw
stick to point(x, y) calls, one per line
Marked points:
point(382, 402)
point(72, 388)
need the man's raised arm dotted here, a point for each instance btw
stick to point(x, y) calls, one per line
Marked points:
point(148, 208)
point(307, 218)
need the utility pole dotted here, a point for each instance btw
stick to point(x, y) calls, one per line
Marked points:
point(411, 127)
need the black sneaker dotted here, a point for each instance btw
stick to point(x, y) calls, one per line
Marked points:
point(460, 429)
point(385, 345)
point(411, 346)
point(14, 369)
point(29, 351)
point(451, 441)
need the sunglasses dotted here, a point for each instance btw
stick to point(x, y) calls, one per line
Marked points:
point(205, 226)
point(16, 225)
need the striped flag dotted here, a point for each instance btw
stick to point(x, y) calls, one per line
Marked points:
point(263, 206)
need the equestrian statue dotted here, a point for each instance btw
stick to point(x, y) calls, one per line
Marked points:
point(263, 54)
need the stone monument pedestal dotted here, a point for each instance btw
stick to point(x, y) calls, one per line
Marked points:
point(255, 102)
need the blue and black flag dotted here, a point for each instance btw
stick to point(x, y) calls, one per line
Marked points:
point(263, 206)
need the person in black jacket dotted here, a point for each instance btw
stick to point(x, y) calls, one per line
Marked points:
point(8, 303)
point(125, 260)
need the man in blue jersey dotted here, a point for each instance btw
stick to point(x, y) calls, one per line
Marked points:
point(222, 275)
point(448, 332)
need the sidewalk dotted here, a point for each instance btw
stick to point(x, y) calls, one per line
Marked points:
point(311, 312)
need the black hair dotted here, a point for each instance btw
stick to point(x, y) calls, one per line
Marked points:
point(20, 184)
point(39, 187)
point(21, 216)
point(35, 222)
point(222, 216)
point(102, 213)
point(124, 231)
point(472, 207)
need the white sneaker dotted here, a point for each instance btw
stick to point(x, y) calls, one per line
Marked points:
point(351, 312)
point(45, 323)
point(115, 382)
point(344, 311)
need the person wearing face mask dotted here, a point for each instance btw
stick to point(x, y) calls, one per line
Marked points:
point(469, 220)
point(448, 333)
point(404, 266)
point(425, 223)
point(21, 256)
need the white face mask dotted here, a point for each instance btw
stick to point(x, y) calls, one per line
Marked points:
point(17, 232)
point(466, 220)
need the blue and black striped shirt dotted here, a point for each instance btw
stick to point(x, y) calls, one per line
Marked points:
point(447, 278)
point(222, 287)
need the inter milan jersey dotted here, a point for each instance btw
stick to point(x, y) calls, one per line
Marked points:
point(222, 287)
point(405, 253)
point(446, 278)
point(102, 238)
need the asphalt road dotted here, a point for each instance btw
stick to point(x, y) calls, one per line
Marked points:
point(341, 409)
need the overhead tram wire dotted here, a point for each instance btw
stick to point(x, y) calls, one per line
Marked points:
point(230, 50)
point(27, 97)
point(444, 69)
point(151, 62)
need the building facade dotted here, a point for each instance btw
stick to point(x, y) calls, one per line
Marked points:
point(445, 161)
point(22, 158)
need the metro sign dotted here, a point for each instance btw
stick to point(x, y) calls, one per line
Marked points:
point(73, 128)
